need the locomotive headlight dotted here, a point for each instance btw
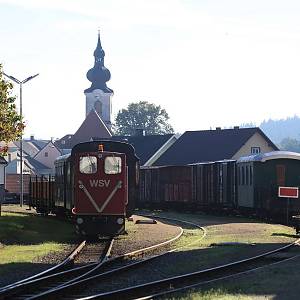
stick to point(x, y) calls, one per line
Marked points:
point(120, 221)
point(79, 221)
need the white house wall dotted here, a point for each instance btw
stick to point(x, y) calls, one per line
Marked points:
point(53, 153)
point(255, 141)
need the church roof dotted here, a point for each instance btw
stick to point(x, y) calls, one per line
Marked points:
point(90, 127)
point(99, 74)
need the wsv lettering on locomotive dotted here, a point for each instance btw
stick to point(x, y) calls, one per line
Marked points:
point(99, 183)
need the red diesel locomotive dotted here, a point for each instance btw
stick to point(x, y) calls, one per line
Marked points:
point(97, 184)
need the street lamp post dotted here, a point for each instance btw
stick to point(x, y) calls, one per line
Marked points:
point(21, 142)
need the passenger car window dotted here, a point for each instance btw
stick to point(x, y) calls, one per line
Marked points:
point(112, 165)
point(88, 164)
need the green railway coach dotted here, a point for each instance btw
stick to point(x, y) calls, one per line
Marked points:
point(259, 179)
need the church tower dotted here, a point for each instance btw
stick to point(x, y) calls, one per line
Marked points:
point(98, 96)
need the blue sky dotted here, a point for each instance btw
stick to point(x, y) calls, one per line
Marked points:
point(208, 63)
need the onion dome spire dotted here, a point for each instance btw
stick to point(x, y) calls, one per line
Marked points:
point(99, 74)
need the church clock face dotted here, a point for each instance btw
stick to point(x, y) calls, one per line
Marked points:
point(97, 94)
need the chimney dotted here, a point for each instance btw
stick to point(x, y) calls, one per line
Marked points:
point(218, 128)
point(139, 132)
point(32, 137)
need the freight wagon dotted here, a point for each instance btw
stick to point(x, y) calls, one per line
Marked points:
point(248, 185)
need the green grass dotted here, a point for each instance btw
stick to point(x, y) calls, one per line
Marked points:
point(264, 233)
point(215, 294)
point(26, 253)
point(274, 282)
point(271, 283)
point(24, 238)
point(280, 281)
point(219, 231)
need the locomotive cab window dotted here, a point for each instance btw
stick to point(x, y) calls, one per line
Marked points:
point(112, 165)
point(88, 164)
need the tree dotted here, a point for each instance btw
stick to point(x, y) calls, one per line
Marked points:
point(290, 144)
point(142, 115)
point(11, 123)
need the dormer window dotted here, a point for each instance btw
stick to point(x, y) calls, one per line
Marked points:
point(255, 150)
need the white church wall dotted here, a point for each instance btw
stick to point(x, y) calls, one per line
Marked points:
point(105, 99)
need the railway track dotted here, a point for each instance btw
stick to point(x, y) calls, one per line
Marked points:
point(160, 288)
point(58, 274)
point(68, 261)
point(73, 289)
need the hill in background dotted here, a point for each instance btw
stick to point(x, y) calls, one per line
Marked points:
point(277, 130)
point(285, 133)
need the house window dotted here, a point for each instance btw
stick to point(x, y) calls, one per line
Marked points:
point(46, 154)
point(255, 150)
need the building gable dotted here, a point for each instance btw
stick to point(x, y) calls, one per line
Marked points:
point(208, 145)
point(28, 147)
point(257, 143)
point(155, 156)
point(147, 147)
point(47, 155)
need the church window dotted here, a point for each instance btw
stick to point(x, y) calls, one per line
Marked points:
point(98, 107)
